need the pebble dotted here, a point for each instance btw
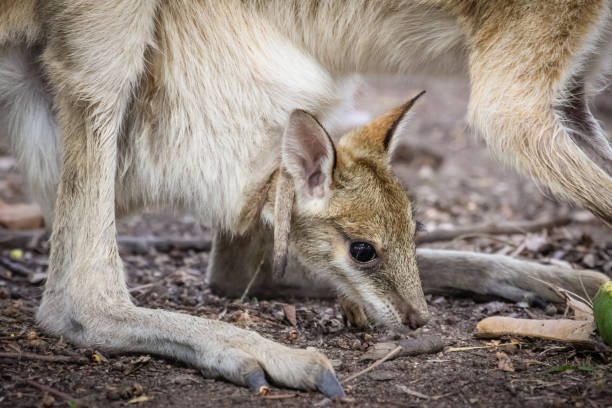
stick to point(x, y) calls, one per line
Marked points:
point(382, 375)
point(5, 293)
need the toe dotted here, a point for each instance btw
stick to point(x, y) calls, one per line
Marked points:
point(256, 380)
point(328, 384)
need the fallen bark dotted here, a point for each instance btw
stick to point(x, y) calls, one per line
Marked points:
point(573, 331)
point(409, 347)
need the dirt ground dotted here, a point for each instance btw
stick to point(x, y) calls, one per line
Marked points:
point(455, 183)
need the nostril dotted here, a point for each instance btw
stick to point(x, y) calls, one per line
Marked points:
point(415, 320)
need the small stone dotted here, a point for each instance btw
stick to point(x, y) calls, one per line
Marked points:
point(336, 363)
point(126, 393)
point(368, 337)
point(5, 293)
point(138, 390)
point(48, 400)
point(589, 260)
point(113, 394)
point(550, 310)
point(356, 344)
point(37, 277)
point(439, 300)
point(509, 348)
point(343, 343)
point(382, 375)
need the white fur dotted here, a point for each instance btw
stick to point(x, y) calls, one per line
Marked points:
point(26, 116)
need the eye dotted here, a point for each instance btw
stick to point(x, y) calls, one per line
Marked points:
point(362, 252)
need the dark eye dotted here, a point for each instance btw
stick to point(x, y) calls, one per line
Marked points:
point(362, 252)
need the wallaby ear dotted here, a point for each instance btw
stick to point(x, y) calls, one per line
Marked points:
point(309, 156)
point(398, 119)
point(379, 136)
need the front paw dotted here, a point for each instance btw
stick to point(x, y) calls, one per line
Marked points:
point(251, 360)
point(353, 313)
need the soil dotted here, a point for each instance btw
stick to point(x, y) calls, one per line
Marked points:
point(454, 181)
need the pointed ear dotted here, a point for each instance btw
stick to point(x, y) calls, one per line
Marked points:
point(398, 119)
point(379, 136)
point(309, 156)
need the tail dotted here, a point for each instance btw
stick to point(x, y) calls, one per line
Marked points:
point(530, 77)
point(27, 119)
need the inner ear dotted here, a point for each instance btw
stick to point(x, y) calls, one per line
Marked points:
point(309, 155)
point(282, 222)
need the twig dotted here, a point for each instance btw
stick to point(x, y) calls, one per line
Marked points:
point(278, 396)
point(20, 239)
point(506, 228)
point(52, 390)
point(144, 244)
point(15, 267)
point(253, 278)
point(24, 239)
point(51, 359)
point(373, 366)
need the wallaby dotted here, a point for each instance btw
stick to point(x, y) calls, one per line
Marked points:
point(122, 105)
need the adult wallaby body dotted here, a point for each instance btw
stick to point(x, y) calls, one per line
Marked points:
point(122, 105)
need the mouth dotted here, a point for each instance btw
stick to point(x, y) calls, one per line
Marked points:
point(409, 315)
point(387, 313)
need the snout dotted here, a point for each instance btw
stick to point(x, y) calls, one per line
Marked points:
point(411, 316)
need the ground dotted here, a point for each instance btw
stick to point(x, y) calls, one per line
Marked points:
point(454, 181)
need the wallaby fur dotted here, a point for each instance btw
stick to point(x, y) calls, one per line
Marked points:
point(116, 106)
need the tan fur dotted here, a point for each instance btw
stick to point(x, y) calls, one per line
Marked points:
point(19, 22)
point(182, 105)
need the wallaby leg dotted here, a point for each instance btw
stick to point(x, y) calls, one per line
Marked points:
point(447, 271)
point(85, 297)
point(528, 94)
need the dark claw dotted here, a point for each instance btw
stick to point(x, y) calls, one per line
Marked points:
point(256, 379)
point(539, 301)
point(328, 385)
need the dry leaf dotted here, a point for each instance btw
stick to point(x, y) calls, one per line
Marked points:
point(289, 311)
point(241, 318)
point(503, 362)
point(142, 398)
point(577, 331)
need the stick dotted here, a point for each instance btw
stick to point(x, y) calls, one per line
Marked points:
point(506, 228)
point(51, 390)
point(20, 239)
point(51, 359)
point(253, 278)
point(145, 244)
point(25, 239)
point(373, 366)
point(15, 267)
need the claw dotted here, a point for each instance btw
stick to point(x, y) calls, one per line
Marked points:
point(539, 301)
point(328, 385)
point(256, 380)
